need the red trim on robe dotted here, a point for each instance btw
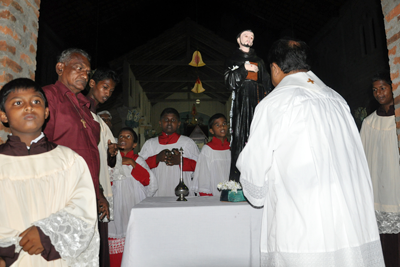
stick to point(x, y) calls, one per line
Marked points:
point(205, 194)
point(139, 173)
point(217, 144)
point(165, 139)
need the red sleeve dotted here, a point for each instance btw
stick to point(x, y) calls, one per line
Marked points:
point(141, 174)
point(205, 194)
point(49, 253)
point(189, 165)
point(152, 162)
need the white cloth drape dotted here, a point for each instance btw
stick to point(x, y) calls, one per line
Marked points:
point(304, 162)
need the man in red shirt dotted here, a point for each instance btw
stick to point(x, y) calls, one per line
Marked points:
point(71, 124)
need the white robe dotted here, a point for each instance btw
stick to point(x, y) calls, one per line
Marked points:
point(54, 191)
point(127, 193)
point(379, 137)
point(212, 168)
point(104, 177)
point(168, 176)
point(304, 162)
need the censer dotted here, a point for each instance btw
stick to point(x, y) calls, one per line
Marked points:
point(181, 190)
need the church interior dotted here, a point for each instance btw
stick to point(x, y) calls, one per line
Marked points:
point(150, 44)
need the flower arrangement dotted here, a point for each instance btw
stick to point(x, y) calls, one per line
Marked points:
point(229, 185)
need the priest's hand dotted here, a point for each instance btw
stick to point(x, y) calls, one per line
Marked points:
point(30, 241)
point(112, 148)
point(103, 207)
point(163, 156)
point(128, 161)
point(174, 158)
point(251, 67)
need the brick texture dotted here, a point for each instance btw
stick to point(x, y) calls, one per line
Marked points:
point(18, 42)
point(391, 12)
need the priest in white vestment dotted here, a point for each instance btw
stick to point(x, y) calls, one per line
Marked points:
point(304, 162)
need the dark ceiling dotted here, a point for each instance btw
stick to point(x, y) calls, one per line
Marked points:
point(108, 29)
point(157, 31)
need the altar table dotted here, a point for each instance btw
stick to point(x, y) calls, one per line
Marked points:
point(200, 232)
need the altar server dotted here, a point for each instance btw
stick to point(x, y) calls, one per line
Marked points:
point(379, 137)
point(132, 181)
point(162, 154)
point(48, 202)
point(214, 160)
point(304, 162)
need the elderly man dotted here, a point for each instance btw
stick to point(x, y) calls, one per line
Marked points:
point(304, 162)
point(71, 124)
point(246, 76)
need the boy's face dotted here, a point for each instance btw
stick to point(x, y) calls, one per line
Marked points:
point(219, 127)
point(126, 141)
point(169, 123)
point(382, 92)
point(102, 90)
point(25, 112)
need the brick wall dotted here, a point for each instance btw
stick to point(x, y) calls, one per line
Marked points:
point(18, 42)
point(391, 12)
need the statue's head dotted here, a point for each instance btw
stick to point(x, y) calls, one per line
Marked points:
point(245, 39)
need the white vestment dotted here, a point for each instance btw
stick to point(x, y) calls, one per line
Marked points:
point(212, 168)
point(168, 176)
point(54, 191)
point(304, 162)
point(127, 193)
point(104, 177)
point(379, 137)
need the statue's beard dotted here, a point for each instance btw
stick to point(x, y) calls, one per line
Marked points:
point(245, 45)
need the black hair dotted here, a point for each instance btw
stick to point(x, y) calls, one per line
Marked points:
point(382, 76)
point(290, 55)
point(240, 33)
point(135, 137)
point(170, 111)
point(19, 84)
point(215, 117)
point(101, 74)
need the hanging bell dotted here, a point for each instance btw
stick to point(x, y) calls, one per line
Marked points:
point(198, 87)
point(197, 61)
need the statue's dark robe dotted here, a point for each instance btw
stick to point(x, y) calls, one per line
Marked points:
point(246, 94)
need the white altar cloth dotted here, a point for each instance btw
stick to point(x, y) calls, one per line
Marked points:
point(200, 232)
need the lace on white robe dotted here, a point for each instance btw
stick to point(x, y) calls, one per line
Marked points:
point(76, 241)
